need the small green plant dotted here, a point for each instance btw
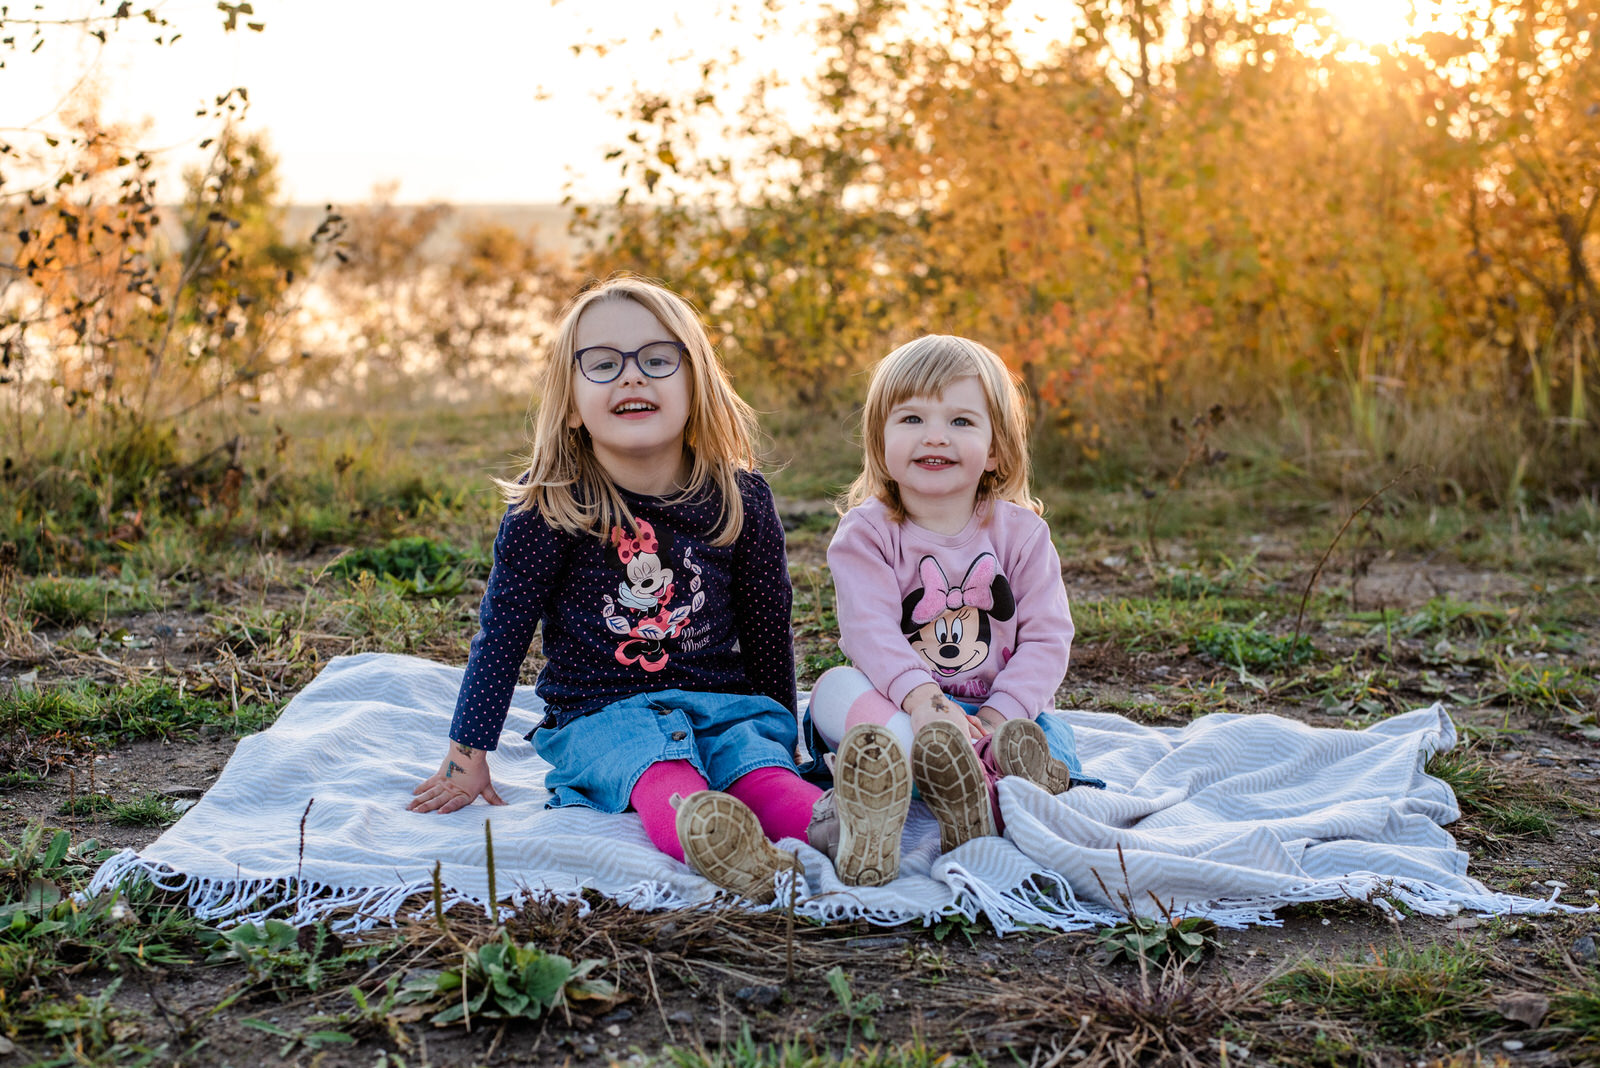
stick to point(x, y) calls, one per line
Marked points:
point(87, 1027)
point(505, 981)
point(1153, 939)
point(274, 952)
point(1250, 648)
point(414, 565)
point(857, 1011)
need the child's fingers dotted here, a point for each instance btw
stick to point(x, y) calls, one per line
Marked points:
point(491, 795)
point(976, 727)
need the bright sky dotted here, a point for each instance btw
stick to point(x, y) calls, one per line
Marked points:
point(471, 102)
point(475, 102)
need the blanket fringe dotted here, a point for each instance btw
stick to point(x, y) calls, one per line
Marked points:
point(1043, 901)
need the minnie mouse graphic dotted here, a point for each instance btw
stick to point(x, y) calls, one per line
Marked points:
point(948, 623)
point(647, 587)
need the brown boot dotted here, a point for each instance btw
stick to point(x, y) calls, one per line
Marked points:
point(723, 840)
point(1020, 749)
point(858, 823)
point(950, 777)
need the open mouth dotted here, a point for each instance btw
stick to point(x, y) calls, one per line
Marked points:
point(934, 461)
point(633, 407)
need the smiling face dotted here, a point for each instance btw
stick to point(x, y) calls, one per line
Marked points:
point(635, 422)
point(937, 448)
point(953, 641)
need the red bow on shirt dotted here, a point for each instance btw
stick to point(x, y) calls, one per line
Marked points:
point(629, 546)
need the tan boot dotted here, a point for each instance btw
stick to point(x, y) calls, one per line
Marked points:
point(723, 840)
point(950, 777)
point(858, 823)
point(1020, 748)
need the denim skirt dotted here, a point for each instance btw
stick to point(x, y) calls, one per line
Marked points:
point(597, 759)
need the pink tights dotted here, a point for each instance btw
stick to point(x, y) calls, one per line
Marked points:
point(780, 799)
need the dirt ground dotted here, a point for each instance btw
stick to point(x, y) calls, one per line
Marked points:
point(702, 980)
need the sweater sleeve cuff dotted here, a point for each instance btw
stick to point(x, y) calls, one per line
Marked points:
point(1007, 705)
point(475, 743)
point(905, 683)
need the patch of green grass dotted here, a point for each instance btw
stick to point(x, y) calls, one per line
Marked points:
point(1139, 623)
point(1544, 688)
point(55, 601)
point(1445, 617)
point(63, 602)
point(86, 805)
point(1410, 997)
point(1578, 1010)
point(148, 810)
point(1486, 793)
point(148, 709)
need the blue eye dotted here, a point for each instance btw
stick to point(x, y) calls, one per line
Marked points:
point(962, 420)
point(912, 419)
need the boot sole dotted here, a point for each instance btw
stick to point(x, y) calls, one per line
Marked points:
point(950, 776)
point(872, 795)
point(1021, 749)
point(723, 841)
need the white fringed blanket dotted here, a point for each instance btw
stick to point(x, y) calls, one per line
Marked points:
point(1229, 817)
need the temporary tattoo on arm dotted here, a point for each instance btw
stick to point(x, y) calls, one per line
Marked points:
point(452, 769)
point(944, 705)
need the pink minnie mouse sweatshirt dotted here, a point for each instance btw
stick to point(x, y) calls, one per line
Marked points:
point(982, 613)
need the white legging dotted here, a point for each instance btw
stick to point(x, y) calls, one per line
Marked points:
point(844, 697)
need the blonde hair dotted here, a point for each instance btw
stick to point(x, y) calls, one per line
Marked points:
point(565, 480)
point(926, 367)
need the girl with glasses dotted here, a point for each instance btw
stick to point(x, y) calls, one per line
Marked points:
point(647, 547)
point(950, 600)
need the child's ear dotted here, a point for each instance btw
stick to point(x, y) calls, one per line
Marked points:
point(993, 463)
point(574, 420)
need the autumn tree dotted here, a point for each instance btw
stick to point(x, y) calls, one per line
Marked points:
point(1377, 252)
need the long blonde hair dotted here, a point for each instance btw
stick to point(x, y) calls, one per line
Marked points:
point(925, 368)
point(565, 480)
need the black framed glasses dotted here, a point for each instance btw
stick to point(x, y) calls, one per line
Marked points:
point(659, 359)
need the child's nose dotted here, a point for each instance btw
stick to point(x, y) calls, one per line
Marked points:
point(631, 371)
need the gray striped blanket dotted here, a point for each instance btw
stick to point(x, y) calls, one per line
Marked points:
point(1230, 817)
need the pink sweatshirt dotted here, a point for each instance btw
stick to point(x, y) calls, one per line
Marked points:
point(982, 613)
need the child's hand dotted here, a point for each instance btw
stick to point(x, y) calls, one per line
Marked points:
point(462, 778)
point(927, 703)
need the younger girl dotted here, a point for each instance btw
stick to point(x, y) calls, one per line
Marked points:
point(647, 546)
point(950, 600)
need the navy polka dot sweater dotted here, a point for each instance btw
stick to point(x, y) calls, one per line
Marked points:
point(655, 608)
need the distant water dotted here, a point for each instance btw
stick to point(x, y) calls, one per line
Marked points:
point(547, 222)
